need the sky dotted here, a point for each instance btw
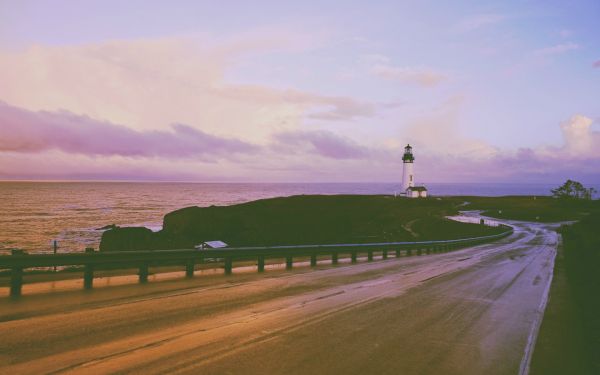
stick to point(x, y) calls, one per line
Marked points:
point(311, 91)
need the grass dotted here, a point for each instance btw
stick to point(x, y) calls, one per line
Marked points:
point(569, 339)
point(305, 219)
point(529, 208)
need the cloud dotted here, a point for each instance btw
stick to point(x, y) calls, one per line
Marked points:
point(322, 143)
point(565, 33)
point(419, 76)
point(478, 21)
point(149, 83)
point(596, 64)
point(580, 140)
point(444, 153)
point(315, 106)
point(31, 132)
point(557, 49)
point(381, 66)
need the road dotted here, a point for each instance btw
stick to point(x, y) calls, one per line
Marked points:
point(472, 311)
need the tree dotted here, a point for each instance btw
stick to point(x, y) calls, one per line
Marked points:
point(573, 189)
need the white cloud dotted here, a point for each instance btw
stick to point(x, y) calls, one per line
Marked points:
point(580, 140)
point(149, 84)
point(421, 76)
point(478, 21)
point(381, 66)
point(557, 49)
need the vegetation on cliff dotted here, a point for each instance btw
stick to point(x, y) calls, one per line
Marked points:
point(528, 208)
point(303, 219)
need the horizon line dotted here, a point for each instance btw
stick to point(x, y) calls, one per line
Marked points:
point(267, 182)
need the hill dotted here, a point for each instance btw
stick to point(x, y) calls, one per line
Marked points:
point(303, 219)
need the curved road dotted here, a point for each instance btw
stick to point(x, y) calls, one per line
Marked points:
point(472, 311)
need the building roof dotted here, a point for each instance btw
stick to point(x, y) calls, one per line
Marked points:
point(214, 244)
point(417, 188)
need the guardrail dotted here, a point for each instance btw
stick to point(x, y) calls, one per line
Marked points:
point(91, 259)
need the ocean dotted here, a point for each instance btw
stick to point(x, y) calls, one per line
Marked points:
point(34, 214)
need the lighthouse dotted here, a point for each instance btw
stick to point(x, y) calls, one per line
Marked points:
point(408, 179)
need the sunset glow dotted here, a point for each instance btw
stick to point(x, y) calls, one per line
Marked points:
point(192, 91)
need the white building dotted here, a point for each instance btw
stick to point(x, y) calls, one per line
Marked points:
point(211, 245)
point(416, 192)
point(408, 178)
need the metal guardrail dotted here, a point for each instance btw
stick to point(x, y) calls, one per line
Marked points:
point(20, 260)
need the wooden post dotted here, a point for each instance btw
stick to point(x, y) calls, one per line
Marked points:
point(289, 262)
point(313, 259)
point(334, 258)
point(16, 282)
point(16, 277)
point(190, 268)
point(261, 263)
point(385, 254)
point(88, 271)
point(55, 247)
point(353, 256)
point(370, 255)
point(228, 265)
point(143, 273)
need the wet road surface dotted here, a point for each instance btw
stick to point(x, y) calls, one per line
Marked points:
point(472, 311)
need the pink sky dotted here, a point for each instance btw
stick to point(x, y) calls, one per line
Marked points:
point(505, 93)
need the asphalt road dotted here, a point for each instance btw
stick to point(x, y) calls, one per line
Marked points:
point(473, 311)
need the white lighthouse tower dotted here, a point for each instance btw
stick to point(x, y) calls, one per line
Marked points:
point(408, 179)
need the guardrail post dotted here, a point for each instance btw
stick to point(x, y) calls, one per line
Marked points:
point(353, 256)
point(334, 258)
point(189, 268)
point(88, 271)
point(313, 260)
point(16, 277)
point(385, 254)
point(397, 253)
point(143, 273)
point(370, 255)
point(261, 263)
point(228, 265)
point(289, 262)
